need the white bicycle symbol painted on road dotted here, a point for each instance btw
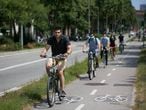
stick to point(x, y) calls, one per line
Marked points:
point(111, 99)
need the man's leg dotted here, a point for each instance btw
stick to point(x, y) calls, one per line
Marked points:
point(96, 58)
point(61, 67)
point(106, 57)
point(101, 54)
point(49, 63)
point(62, 80)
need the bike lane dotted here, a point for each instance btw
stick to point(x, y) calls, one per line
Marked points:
point(112, 89)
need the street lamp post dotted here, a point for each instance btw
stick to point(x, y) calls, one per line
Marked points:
point(89, 15)
point(98, 22)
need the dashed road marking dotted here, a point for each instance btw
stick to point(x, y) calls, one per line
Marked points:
point(93, 92)
point(103, 81)
point(109, 74)
point(113, 69)
point(80, 107)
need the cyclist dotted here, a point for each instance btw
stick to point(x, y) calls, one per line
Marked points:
point(105, 46)
point(112, 44)
point(59, 44)
point(121, 39)
point(94, 46)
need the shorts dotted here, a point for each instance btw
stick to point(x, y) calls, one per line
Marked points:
point(60, 64)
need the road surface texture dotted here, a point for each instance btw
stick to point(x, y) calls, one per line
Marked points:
point(21, 67)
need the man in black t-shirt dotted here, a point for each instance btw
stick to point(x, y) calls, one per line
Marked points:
point(121, 38)
point(59, 45)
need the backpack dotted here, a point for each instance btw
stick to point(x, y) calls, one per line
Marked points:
point(92, 43)
point(89, 40)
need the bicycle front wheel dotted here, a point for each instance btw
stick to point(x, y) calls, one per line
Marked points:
point(51, 92)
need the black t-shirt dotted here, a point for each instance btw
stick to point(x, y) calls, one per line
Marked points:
point(58, 47)
point(121, 38)
point(112, 40)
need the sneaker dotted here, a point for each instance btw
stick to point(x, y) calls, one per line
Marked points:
point(63, 93)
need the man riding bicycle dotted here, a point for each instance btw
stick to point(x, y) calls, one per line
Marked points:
point(121, 39)
point(121, 42)
point(59, 45)
point(94, 46)
point(105, 46)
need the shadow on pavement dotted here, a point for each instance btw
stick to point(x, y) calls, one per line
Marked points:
point(96, 84)
point(130, 81)
point(41, 105)
point(83, 77)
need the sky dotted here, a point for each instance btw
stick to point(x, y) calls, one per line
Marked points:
point(136, 3)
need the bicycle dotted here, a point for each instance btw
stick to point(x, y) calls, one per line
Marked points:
point(53, 88)
point(91, 64)
point(112, 52)
point(104, 57)
point(121, 47)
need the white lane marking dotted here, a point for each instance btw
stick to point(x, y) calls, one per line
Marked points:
point(113, 69)
point(109, 74)
point(103, 81)
point(27, 63)
point(16, 54)
point(80, 107)
point(23, 64)
point(93, 92)
point(9, 90)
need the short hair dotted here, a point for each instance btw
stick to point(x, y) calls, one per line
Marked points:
point(57, 28)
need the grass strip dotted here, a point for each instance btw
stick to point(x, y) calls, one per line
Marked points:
point(36, 91)
point(140, 102)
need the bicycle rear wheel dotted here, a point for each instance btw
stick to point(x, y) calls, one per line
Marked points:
point(121, 48)
point(51, 92)
point(95, 66)
point(90, 69)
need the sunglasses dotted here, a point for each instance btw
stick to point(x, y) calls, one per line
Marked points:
point(57, 32)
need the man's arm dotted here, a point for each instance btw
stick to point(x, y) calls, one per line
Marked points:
point(44, 51)
point(84, 46)
point(99, 45)
point(108, 44)
point(69, 50)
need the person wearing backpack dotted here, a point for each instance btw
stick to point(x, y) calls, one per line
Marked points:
point(94, 46)
point(105, 44)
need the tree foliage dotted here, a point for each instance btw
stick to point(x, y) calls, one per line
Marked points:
point(67, 13)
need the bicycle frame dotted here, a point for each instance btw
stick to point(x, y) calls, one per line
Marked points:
point(91, 64)
point(121, 47)
point(104, 57)
point(52, 84)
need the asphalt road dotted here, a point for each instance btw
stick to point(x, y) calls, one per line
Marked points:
point(111, 89)
point(21, 67)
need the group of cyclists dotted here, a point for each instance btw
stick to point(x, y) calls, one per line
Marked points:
point(106, 43)
point(60, 44)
